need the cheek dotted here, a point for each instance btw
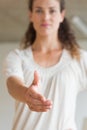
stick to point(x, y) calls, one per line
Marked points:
point(36, 20)
point(56, 21)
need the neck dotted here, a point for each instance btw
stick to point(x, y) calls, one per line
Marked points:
point(46, 44)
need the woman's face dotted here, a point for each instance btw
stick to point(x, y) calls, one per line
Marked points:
point(46, 16)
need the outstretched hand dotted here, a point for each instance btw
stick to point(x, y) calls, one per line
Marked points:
point(36, 101)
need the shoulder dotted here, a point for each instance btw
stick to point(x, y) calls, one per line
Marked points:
point(83, 57)
point(18, 53)
point(82, 62)
point(83, 54)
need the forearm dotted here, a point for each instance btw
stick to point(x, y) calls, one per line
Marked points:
point(16, 89)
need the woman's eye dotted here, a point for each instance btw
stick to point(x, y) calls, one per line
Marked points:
point(52, 11)
point(38, 11)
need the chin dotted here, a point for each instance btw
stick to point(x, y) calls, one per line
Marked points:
point(46, 33)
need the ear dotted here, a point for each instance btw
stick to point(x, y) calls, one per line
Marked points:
point(62, 15)
point(30, 16)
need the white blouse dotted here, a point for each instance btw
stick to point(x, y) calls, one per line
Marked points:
point(59, 83)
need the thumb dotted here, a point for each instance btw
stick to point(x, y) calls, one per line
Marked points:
point(36, 78)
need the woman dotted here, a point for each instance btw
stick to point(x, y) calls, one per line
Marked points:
point(46, 75)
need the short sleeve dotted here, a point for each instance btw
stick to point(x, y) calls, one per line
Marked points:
point(13, 64)
point(83, 63)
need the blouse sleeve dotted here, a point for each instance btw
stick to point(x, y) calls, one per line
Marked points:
point(83, 63)
point(13, 65)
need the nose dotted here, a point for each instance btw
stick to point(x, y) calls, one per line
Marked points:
point(46, 16)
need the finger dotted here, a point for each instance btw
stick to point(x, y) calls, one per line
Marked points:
point(36, 78)
point(40, 108)
point(48, 102)
point(40, 103)
point(36, 102)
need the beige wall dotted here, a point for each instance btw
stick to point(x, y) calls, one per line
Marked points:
point(7, 103)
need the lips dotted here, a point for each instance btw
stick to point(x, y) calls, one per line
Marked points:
point(45, 24)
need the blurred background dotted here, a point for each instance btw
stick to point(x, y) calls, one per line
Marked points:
point(13, 24)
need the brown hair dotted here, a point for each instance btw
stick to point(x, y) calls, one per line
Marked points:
point(65, 33)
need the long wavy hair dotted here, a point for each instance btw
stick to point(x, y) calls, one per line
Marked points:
point(65, 33)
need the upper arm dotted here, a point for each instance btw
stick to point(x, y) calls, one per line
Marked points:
point(13, 65)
